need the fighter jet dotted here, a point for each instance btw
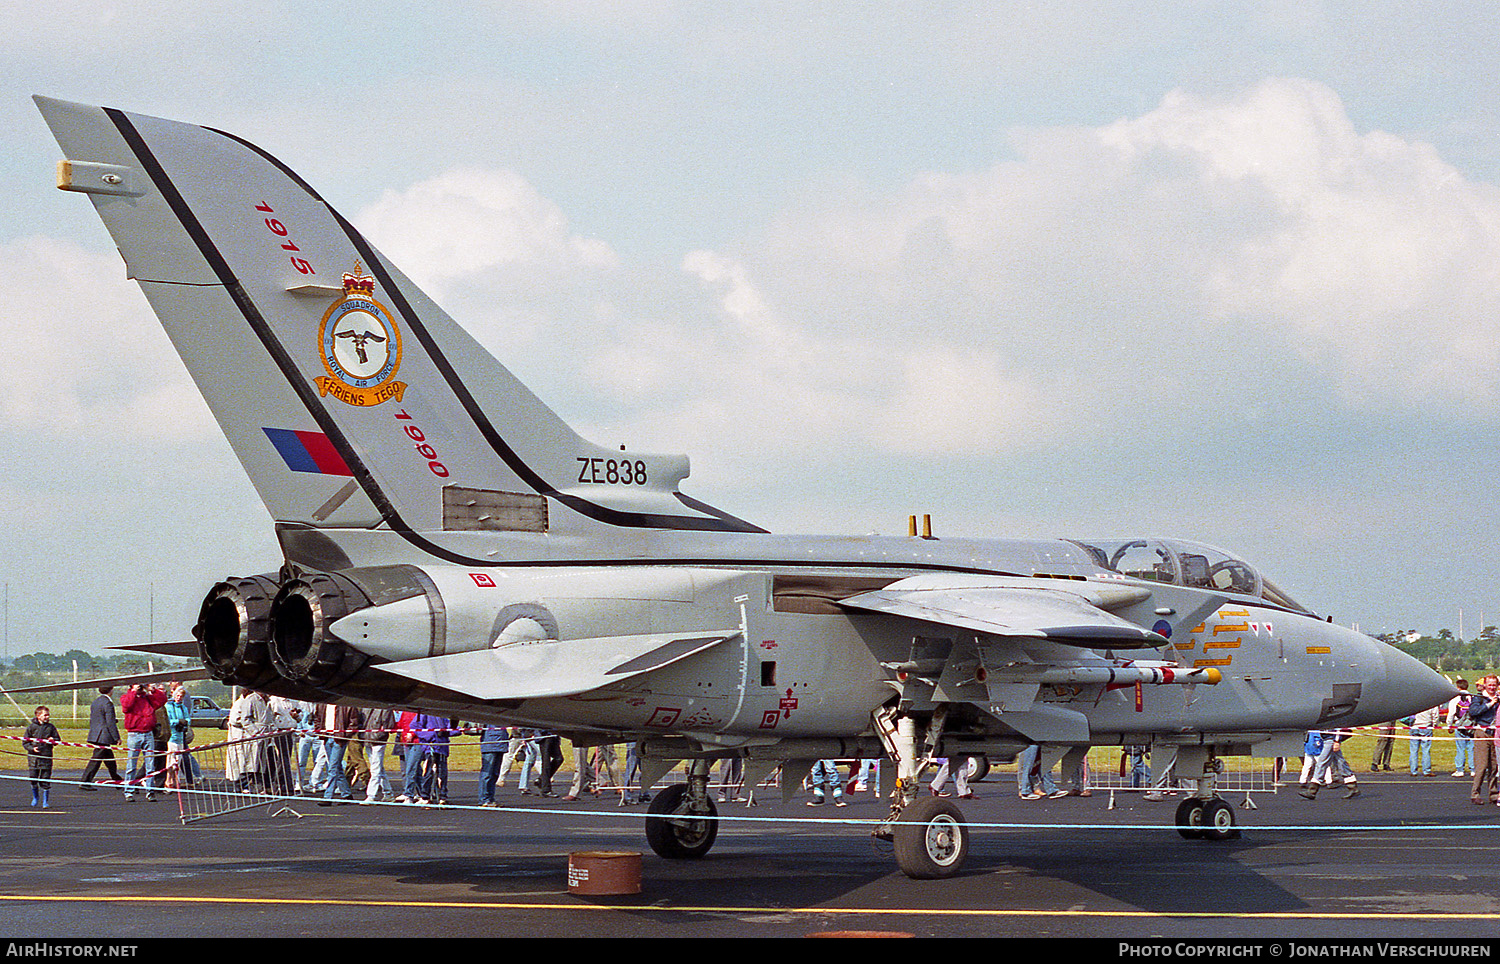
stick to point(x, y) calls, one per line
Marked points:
point(451, 545)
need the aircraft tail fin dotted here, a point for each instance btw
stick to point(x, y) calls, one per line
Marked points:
point(352, 400)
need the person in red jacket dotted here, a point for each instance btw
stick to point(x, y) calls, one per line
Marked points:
point(140, 704)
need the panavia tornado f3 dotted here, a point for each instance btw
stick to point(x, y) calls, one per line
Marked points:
point(451, 545)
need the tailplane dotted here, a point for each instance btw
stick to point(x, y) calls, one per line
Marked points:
point(352, 400)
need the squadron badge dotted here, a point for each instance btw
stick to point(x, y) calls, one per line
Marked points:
point(360, 346)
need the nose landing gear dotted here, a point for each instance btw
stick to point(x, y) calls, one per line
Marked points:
point(1211, 819)
point(1205, 816)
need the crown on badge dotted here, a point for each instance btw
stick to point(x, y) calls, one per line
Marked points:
point(358, 284)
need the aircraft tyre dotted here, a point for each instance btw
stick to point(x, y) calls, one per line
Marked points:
point(679, 837)
point(931, 839)
point(1190, 818)
point(1218, 821)
point(981, 767)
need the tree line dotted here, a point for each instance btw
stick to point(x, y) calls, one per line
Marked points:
point(1446, 653)
point(35, 669)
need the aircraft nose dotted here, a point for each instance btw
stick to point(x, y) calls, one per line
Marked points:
point(1410, 686)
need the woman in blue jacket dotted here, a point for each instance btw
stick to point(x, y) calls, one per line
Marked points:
point(179, 730)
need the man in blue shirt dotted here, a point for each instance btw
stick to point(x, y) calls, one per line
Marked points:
point(492, 746)
point(1482, 712)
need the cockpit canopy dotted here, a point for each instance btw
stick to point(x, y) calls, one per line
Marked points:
point(1185, 564)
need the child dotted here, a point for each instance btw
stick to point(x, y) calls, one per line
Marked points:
point(40, 737)
point(1312, 748)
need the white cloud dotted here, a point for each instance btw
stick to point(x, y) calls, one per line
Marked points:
point(1368, 254)
point(474, 223)
point(1207, 245)
point(497, 255)
point(745, 372)
point(85, 358)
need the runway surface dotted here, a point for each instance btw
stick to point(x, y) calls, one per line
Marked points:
point(1409, 858)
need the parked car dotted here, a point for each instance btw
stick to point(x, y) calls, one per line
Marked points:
point(208, 713)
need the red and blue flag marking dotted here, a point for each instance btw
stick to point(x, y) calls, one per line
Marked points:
point(307, 451)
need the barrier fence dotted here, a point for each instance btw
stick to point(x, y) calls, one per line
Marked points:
point(216, 778)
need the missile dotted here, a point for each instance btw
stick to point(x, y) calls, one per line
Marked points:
point(1106, 675)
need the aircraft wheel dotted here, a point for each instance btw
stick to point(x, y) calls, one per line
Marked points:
point(981, 767)
point(931, 839)
point(1218, 821)
point(1190, 818)
point(679, 836)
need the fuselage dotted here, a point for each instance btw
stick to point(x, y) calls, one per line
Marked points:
point(801, 667)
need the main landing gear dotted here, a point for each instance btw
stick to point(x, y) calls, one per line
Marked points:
point(931, 839)
point(930, 836)
point(682, 820)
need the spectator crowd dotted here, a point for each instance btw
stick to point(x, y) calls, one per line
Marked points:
point(337, 753)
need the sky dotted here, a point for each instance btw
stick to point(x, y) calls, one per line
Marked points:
point(1228, 272)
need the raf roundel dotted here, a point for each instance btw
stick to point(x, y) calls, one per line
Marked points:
point(360, 346)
